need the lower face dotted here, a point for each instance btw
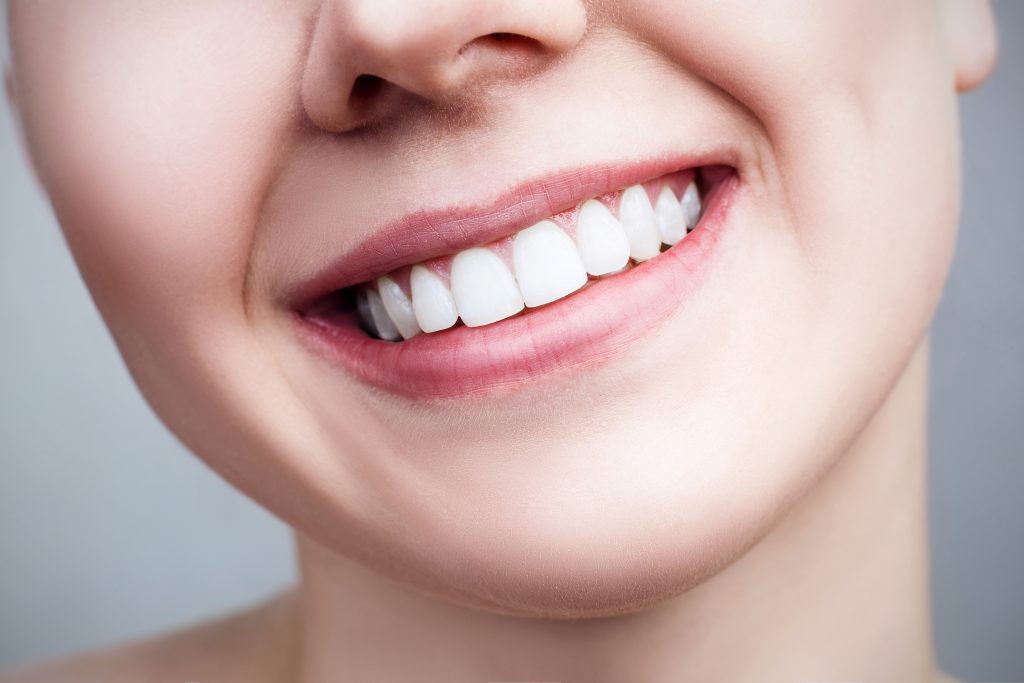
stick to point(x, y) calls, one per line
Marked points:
point(590, 454)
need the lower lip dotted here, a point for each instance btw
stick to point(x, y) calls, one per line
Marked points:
point(585, 329)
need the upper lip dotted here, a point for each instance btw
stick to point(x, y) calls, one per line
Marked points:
point(422, 235)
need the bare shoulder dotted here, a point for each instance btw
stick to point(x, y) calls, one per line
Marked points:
point(251, 645)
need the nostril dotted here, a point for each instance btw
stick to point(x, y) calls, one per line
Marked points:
point(505, 42)
point(366, 87)
point(508, 38)
point(367, 98)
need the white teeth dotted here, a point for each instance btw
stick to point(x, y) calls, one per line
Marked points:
point(601, 239)
point(431, 301)
point(483, 287)
point(691, 205)
point(398, 306)
point(547, 264)
point(381, 320)
point(670, 218)
point(637, 218)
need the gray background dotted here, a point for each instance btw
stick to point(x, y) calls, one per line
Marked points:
point(109, 529)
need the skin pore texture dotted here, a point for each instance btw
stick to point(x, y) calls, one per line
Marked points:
point(734, 493)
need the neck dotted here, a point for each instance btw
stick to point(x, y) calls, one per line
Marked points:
point(837, 591)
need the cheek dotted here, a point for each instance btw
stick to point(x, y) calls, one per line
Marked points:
point(862, 153)
point(879, 231)
point(156, 140)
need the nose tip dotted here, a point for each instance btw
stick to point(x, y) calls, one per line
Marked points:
point(369, 57)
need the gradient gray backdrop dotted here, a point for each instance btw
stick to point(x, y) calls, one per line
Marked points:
point(109, 529)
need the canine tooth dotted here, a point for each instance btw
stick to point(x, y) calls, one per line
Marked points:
point(547, 264)
point(365, 316)
point(601, 239)
point(691, 205)
point(483, 287)
point(398, 306)
point(431, 301)
point(381, 320)
point(670, 218)
point(637, 217)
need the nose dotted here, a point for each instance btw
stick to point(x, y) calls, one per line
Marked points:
point(368, 57)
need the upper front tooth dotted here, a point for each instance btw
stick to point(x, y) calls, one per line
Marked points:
point(547, 264)
point(431, 301)
point(601, 239)
point(483, 287)
point(691, 205)
point(398, 306)
point(671, 221)
point(637, 218)
point(381, 320)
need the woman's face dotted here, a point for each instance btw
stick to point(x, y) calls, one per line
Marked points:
point(228, 175)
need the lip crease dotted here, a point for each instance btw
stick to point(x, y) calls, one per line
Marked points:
point(584, 329)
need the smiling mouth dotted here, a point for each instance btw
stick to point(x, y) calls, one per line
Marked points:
point(448, 305)
point(540, 264)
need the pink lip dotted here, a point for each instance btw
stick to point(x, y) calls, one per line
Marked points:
point(584, 329)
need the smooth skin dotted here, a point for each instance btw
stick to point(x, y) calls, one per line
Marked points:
point(739, 497)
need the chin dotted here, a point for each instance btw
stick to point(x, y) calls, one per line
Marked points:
point(551, 538)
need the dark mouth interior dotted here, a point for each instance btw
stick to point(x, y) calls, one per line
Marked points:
point(338, 308)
